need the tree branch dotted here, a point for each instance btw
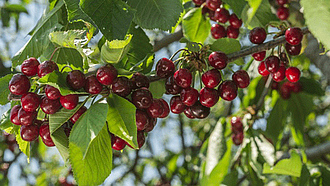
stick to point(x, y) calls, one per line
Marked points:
point(165, 41)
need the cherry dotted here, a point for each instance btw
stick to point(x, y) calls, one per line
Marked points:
point(19, 84)
point(189, 96)
point(69, 101)
point(221, 15)
point(285, 90)
point(156, 108)
point(205, 10)
point(295, 87)
point(188, 113)
point(259, 56)
point(211, 78)
point(74, 118)
point(26, 118)
point(76, 79)
point(199, 2)
point(151, 125)
point(166, 109)
point(234, 21)
point(50, 106)
point(218, 31)
point(208, 97)
point(281, 2)
point(232, 32)
point(283, 13)
point(165, 68)
point(218, 60)
point(238, 138)
point(293, 74)
point(280, 74)
point(211, 15)
point(213, 4)
point(140, 138)
point(46, 67)
point(172, 87)
point(272, 63)
point(117, 143)
point(142, 119)
point(52, 92)
point(241, 78)
point(183, 78)
point(139, 80)
point(199, 111)
point(29, 133)
point(236, 125)
point(30, 101)
point(293, 35)
point(122, 86)
point(177, 106)
point(29, 67)
point(262, 69)
point(14, 115)
point(93, 86)
point(257, 35)
point(293, 49)
point(228, 90)
point(45, 135)
point(106, 74)
point(142, 98)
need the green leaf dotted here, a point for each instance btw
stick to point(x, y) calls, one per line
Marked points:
point(195, 26)
point(291, 167)
point(75, 13)
point(112, 17)
point(310, 86)
point(24, 146)
point(237, 6)
point(151, 14)
point(5, 122)
point(317, 16)
point(67, 39)
point(69, 57)
point(305, 175)
point(88, 127)
point(254, 6)
point(254, 91)
point(114, 51)
point(61, 142)
point(121, 119)
point(4, 91)
point(17, 8)
point(157, 88)
point(191, 46)
point(95, 166)
point(226, 45)
point(39, 40)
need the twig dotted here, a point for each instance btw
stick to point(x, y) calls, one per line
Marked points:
point(164, 42)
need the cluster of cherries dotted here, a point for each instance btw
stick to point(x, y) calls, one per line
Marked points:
point(237, 130)
point(282, 11)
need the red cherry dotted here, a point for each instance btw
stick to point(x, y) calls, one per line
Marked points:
point(189, 96)
point(211, 78)
point(232, 32)
point(218, 60)
point(238, 138)
point(259, 56)
point(69, 101)
point(26, 118)
point(257, 35)
point(30, 101)
point(262, 69)
point(211, 15)
point(122, 86)
point(117, 143)
point(208, 97)
point(218, 31)
point(93, 86)
point(177, 106)
point(199, 111)
point(142, 119)
point(166, 109)
point(221, 15)
point(279, 75)
point(281, 2)
point(52, 92)
point(293, 49)
point(78, 114)
point(76, 79)
point(234, 21)
point(272, 63)
point(183, 78)
point(293, 74)
point(171, 86)
point(140, 138)
point(45, 135)
point(46, 67)
point(106, 74)
point(165, 68)
point(199, 2)
point(236, 125)
point(30, 67)
point(19, 84)
point(285, 90)
point(213, 4)
point(151, 125)
point(139, 80)
point(156, 108)
point(188, 113)
point(50, 106)
point(29, 133)
point(241, 78)
point(14, 115)
point(293, 35)
point(283, 13)
point(142, 98)
point(295, 87)
point(228, 90)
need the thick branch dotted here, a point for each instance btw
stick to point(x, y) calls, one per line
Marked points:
point(164, 42)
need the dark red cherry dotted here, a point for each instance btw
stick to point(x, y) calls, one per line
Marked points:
point(238, 138)
point(257, 35)
point(213, 4)
point(232, 32)
point(171, 86)
point(183, 78)
point(211, 78)
point(29, 133)
point(281, 2)
point(228, 90)
point(30, 101)
point(280, 74)
point(188, 113)
point(142, 119)
point(211, 15)
point(236, 125)
point(156, 108)
point(208, 97)
point(272, 63)
point(234, 21)
point(295, 87)
point(283, 13)
point(177, 106)
point(122, 86)
point(199, 111)
point(189, 96)
point(30, 66)
point(26, 118)
point(165, 68)
point(221, 15)
point(259, 56)
point(46, 67)
point(241, 78)
point(19, 84)
point(52, 92)
point(293, 49)
point(199, 2)
point(45, 135)
point(93, 86)
point(50, 106)
point(139, 80)
point(14, 115)
point(69, 101)
point(106, 74)
point(77, 115)
point(262, 69)
point(218, 31)
point(218, 60)
point(151, 125)
point(285, 90)
point(142, 98)
point(293, 35)
point(140, 138)
point(76, 79)
point(292, 74)
point(117, 143)
point(166, 109)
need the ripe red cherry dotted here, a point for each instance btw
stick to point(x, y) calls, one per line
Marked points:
point(177, 106)
point(281, 2)
point(213, 4)
point(122, 86)
point(142, 119)
point(293, 74)
point(211, 15)
point(189, 96)
point(234, 21)
point(285, 90)
point(50, 106)
point(30, 101)
point(165, 68)
point(241, 78)
point(76, 79)
point(77, 115)
point(221, 15)
point(293, 35)
point(30, 67)
point(106, 74)
point(19, 84)
point(166, 108)
point(208, 97)
point(151, 125)
point(93, 86)
point(257, 35)
point(183, 78)
point(69, 101)
point(295, 87)
point(156, 108)
point(46, 67)
point(142, 98)
point(236, 125)
point(199, 111)
point(29, 133)
point(26, 118)
point(198, 2)
point(279, 75)
point(14, 115)
point(228, 90)
point(218, 60)
point(283, 13)
point(45, 135)
point(117, 143)
point(259, 56)
point(262, 69)
point(272, 63)
point(232, 32)
point(211, 78)
point(188, 113)
point(218, 31)
point(139, 80)
point(293, 49)
point(238, 138)
point(52, 92)
point(171, 86)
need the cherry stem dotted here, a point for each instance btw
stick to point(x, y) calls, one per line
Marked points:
point(66, 66)
point(182, 49)
point(51, 57)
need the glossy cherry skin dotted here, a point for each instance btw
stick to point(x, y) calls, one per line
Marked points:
point(189, 96)
point(281, 2)
point(234, 21)
point(177, 106)
point(259, 56)
point(166, 109)
point(241, 78)
point(198, 2)
point(142, 98)
point(236, 125)
point(293, 50)
point(69, 101)
point(238, 138)
point(188, 113)
point(293, 35)
point(183, 78)
point(93, 86)
point(78, 114)
point(29, 67)
point(52, 92)
point(280, 74)
point(262, 69)
point(50, 106)
point(76, 79)
point(171, 86)
point(106, 74)
point(14, 115)
point(199, 111)
point(29, 133)
point(151, 125)
point(211, 78)
point(30, 101)
point(142, 119)
point(232, 32)
point(46, 67)
point(19, 84)
point(208, 97)
point(221, 15)
point(139, 80)
point(228, 90)
point(218, 31)
point(165, 68)
point(272, 64)
point(218, 60)
point(283, 13)
point(122, 86)
point(213, 4)
point(117, 143)
point(292, 74)
point(26, 118)
point(156, 108)
point(257, 35)
point(45, 135)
